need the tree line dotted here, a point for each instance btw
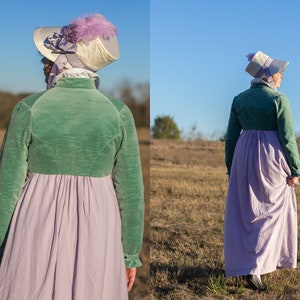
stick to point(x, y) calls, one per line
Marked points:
point(136, 96)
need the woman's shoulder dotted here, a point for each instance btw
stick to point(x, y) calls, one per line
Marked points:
point(278, 96)
point(27, 102)
point(116, 102)
point(119, 105)
point(31, 99)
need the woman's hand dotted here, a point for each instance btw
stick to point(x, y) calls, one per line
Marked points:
point(292, 181)
point(130, 277)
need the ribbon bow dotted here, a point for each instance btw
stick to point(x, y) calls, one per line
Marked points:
point(59, 44)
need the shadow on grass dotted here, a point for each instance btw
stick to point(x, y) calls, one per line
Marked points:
point(195, 278)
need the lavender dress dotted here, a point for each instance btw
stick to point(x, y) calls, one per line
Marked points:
point(68, 229)
point(260, 233)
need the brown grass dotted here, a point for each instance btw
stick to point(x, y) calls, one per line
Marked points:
point(2, 132)
point(188, 186)
point(140, 289)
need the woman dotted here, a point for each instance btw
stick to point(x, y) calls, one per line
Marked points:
point(260, 232)
point(71, 191)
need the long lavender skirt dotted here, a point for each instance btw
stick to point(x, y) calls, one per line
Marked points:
point(260, 232)
point(64, 241)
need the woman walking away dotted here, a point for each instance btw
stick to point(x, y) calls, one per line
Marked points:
point(260, 231)
point(71, 192)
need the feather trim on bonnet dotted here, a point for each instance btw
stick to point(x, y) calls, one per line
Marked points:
point(87, 29)
point(88, 43)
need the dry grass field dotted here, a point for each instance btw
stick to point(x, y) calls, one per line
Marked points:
point(188, 185)
point(1, 135)
point(140, 290)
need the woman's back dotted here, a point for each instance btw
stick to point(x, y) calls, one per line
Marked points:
point(257, 107)
point(75, 131)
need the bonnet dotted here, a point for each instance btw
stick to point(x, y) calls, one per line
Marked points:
point(88, 43)
point(263, 66)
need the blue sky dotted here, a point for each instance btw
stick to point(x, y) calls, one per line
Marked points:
point(21, 70)
point(198, 56)
point(193, 52)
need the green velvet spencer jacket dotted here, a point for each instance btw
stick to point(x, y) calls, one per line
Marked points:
point(74, 129)
point(262, 108)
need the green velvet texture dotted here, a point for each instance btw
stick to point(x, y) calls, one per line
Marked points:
point(74, 129)
point(262, 108)
point(127, 176)
point(13, 165)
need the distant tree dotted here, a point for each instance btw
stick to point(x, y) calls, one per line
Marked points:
point(193, 134)
point(137, 97)
point(165, 128)
point(223, 137)
point(7, 103)
point(139, 103)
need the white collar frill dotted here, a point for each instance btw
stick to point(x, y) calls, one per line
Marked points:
point(78, 73)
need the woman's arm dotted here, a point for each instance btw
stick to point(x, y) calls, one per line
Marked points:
point(287, 134)
point(232, 135)
point(13, 164)
point(128, 181)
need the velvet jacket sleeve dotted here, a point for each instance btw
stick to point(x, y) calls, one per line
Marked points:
point(287, 134)
point(128, 181)
point(13, 164)
point(232, 135)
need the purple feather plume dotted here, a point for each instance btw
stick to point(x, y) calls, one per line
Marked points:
point(250, 56)
point(92, 27)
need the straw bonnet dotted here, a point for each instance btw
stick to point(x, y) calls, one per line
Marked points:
point(88, 42)
point(261, 65)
